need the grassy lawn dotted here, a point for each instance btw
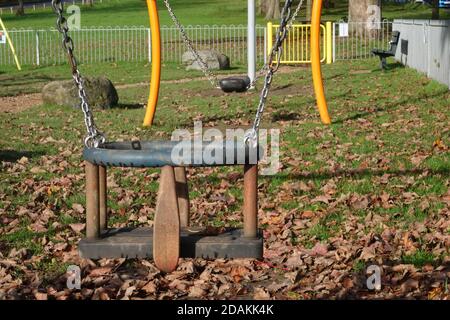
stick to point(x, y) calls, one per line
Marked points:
point(32, 78)
point(371, 188)
point(134, 12)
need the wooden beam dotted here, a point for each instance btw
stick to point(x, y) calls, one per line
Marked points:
point(250, 201)
point(92, 201)
point(182, 195)
point(166, 229)
point(103, 207)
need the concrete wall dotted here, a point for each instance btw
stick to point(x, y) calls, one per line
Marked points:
point(428, 47)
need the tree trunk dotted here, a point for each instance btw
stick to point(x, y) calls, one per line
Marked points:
point(435, 10)
point(270, 8)
point(367, 14)
point(327, 4)
point(308, 9)
point(20, 9)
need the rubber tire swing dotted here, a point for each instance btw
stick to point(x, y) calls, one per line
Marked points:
point(235, 84)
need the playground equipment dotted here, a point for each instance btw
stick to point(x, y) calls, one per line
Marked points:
point(315, 62)
point(242, 83)
point(171, 236)
point(5, 33)
point(231, 84)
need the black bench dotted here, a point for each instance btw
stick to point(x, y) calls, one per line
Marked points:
point(383, 54)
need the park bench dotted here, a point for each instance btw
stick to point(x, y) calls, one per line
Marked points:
point(383, 54)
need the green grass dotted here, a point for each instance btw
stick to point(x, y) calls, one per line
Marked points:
point(419, 258)
point(32, 79)
point(196, 12)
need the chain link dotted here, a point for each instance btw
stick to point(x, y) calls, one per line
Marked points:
point(265, 67)
point(286, 22)
point(94, 137)
point(187, 41)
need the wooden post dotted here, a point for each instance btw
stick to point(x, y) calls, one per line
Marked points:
point(103, 207)
point(182, 195)
point(166, 226)
point(250, 201)
point(92, 201)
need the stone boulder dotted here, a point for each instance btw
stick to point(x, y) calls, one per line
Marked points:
point(214, 59)
point(100, 92)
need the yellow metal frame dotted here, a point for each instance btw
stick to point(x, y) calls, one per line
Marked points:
point(296, 46)
point(315, 62)
point(155, 80)
point(16, 59)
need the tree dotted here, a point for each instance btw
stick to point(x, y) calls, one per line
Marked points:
point(435, 9)
point(365, 15)
point(270, 8)
point(20, 9)
point(308, 9)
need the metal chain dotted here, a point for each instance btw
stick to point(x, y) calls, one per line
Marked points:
point(187, 41)
point(275, 53)
point(264, 69)
point(94, 137)
point(203, 65)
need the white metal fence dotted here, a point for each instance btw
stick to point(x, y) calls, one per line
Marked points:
point(353, 41)
point(119, 44)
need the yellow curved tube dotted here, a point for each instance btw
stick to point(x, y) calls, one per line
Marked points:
point(315, 61)
point(156, 63)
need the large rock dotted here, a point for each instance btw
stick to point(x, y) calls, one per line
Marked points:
point(214, 59)
point(100, 92)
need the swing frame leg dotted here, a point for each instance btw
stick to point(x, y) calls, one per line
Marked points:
point(103, 208)
point(92, 201)
point(250, 201)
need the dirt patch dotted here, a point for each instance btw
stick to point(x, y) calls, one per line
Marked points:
point(19, 103)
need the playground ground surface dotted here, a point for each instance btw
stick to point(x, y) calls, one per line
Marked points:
point(371, 189)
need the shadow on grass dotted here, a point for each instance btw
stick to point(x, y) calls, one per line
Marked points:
point(13, 155)
point(390, 67)
point(128, 106)
point(326, 175)
point(389, 106)
point(356, 173)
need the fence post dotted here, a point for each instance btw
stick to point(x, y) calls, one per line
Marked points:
point(149, 35)
point(329, 28)
point(265, 45)
point(334, 42)
point(251, 40)
point(269, 37)
point(38, 56)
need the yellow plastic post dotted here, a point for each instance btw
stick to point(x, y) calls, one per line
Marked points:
point(269, 37)
point(156, 63)
point(329, 28)
point(16, 59)
point(315, 61)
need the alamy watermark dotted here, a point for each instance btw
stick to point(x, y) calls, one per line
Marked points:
point(374, 280)
point(73, 277)
point(373, 17)
point(213, 147)
point(74, 18)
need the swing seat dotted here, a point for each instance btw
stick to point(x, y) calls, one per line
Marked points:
point(155, 154)
point(171, 236)
point(235, 84)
